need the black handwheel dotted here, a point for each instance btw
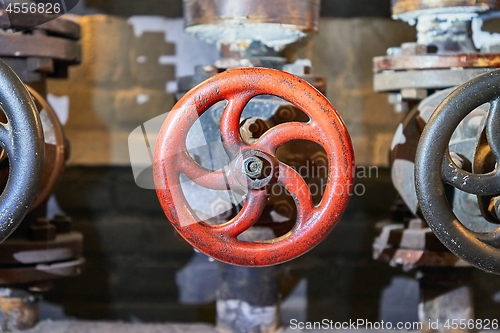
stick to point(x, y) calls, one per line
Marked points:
point(21, 137)
point(434, 167)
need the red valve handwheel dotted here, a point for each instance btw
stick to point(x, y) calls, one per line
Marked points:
point(325, 127)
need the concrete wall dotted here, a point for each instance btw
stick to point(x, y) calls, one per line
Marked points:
point(129, 66)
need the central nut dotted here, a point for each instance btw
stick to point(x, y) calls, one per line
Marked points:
point(255, 169)
point(252, 167)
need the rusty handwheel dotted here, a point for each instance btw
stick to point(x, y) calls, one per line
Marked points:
point(325, 127)
point(22, 139)
point(434, 167)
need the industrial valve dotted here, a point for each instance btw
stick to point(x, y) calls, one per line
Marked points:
point(21, 139)
point(43, 248)
point(56, 147)
point(254, 166)
point(474, 176)
point(419, 76)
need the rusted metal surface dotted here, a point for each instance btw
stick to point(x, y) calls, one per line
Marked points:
point(238, 86)
point(20, 251)
point(41, 251)
point(30, 275)
point(425, 79)
point(62, 27)
point(18, 309)
point(446, 33)
point(274, 24)
point(404, 6)
point(416, 62)
point(22, 45)
point(416, 236)
point(187, 82)
point(55, 149)
point(45, 50)
point(302, 15)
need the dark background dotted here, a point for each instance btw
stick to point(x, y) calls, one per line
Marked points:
point(173, 8)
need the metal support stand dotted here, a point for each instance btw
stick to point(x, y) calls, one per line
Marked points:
point(18, 309)
point(247, 297)
point(446, 300)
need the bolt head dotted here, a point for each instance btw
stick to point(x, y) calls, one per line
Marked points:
point(252, 167)
point(284, 208)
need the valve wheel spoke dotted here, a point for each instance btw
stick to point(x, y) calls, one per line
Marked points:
point(492, 126)
point(247, 217)
point(479, 184)
point(230, 124)
point(491, 238)
point(299, 191)
point(275, 137)
point(6, 138)
point(220, 180)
